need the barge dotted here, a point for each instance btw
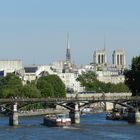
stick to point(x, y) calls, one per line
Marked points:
point(59, 120)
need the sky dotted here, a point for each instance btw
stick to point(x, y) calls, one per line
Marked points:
point(35, 31)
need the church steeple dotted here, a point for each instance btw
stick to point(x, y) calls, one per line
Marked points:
point(68, 56)
point(104, 42)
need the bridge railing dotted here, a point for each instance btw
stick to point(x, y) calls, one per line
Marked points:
point(93, 98)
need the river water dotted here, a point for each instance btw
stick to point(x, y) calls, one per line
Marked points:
point(92, 127)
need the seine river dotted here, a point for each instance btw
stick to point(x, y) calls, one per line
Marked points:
point(92, 127)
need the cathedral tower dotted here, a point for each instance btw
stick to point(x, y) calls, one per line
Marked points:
point(119, 58)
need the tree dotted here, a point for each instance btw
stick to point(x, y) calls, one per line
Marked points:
point(51, 86)
point(45, 87)
point(10, 86)
point(87, 77)
point(30, 90)
point(132, 76)
point(91, 83)
point(58, 86)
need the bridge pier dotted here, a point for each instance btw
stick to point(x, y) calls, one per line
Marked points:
point(75, 114)
point(134, 116)
point(137, 116)
point(13, 118)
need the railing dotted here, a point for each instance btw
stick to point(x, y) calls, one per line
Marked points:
point(73, 99)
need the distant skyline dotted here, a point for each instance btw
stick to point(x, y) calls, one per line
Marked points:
point(35, 31)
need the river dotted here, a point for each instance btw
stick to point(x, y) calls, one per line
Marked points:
point(92, 127)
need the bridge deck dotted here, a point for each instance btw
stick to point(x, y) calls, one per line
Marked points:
point(53, 100)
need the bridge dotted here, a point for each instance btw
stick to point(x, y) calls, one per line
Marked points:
point(73, 104)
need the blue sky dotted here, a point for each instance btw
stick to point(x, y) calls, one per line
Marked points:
point(35, 30)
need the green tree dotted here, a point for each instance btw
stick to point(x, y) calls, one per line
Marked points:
point(132, 76)
point(90, 82)
point(87, 77)
point(10, 86)
point(30, 90)
point(51, 86)
point(45, 87)
point(58, 86)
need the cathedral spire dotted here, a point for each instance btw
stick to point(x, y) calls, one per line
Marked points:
point(68, 43)
point(68, 56)
point(104, 42)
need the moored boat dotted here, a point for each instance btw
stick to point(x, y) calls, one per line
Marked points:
point(57, 120)
point(115, 114)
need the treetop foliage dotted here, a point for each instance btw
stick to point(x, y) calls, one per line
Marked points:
point(86, 77)
point(132, 76)
point(52, 86)
point(10, 85)
point(91, 83)
point(47, 86)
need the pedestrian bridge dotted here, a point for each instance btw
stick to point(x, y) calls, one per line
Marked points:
point(74, 98)
point(73, 104)
point(68, 99)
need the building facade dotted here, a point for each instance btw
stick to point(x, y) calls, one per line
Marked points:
point(70, 81)
point(9, 66)
point(31, 73)
point(110, 77)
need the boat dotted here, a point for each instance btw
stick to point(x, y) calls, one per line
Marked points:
point(109, 116)
point(86, 111)
point(59, 120)
point(115, 114)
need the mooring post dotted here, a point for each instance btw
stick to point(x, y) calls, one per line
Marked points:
point(13, 118)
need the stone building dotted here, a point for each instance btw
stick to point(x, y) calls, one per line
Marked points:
point(118, 58)
point(100, 57)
